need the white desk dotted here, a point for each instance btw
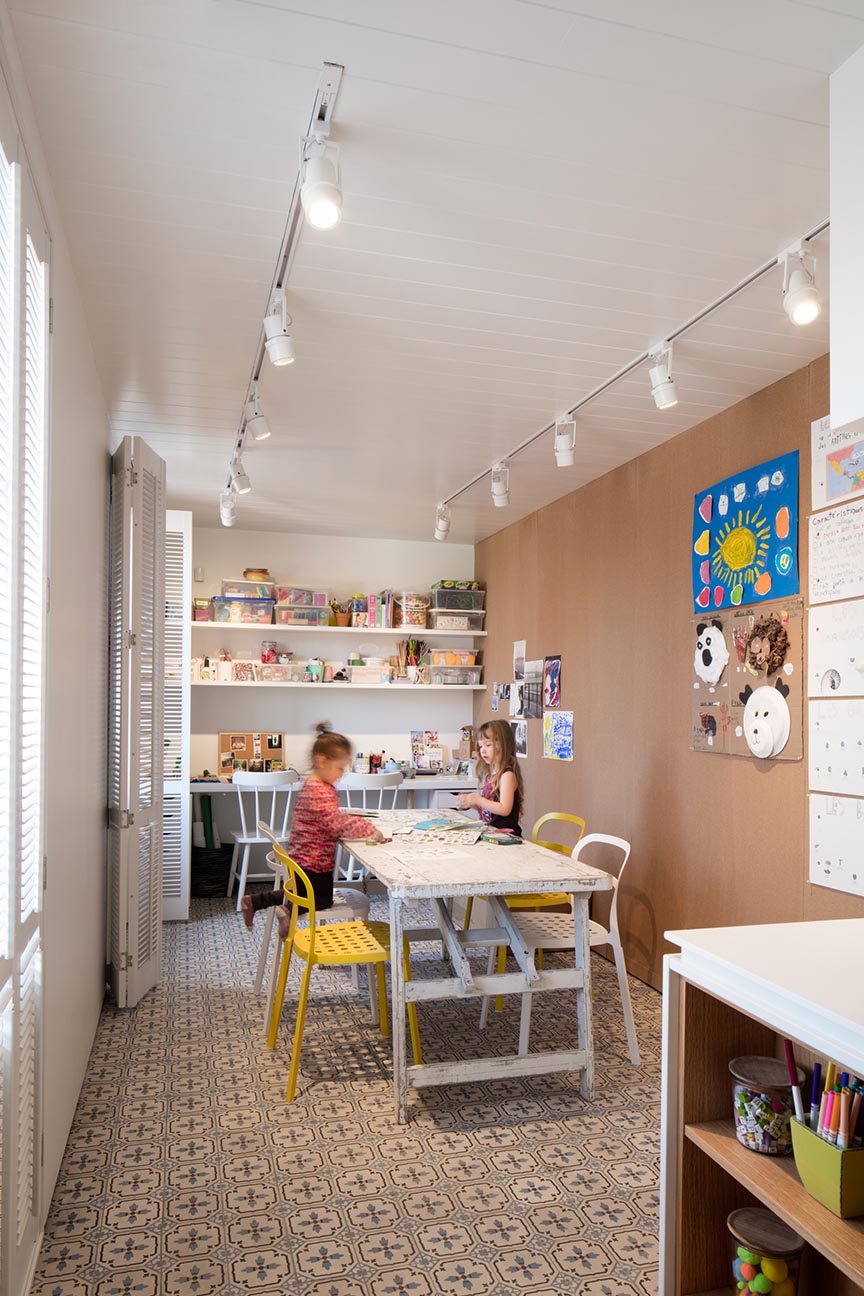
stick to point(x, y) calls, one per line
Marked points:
point(411, 788)
point(439, 873)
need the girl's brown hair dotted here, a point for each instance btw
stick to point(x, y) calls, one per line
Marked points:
point(505, 749)
point(328, 744)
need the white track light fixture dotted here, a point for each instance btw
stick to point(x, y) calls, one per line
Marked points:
point(442, 522)
point(320, 193)
point(239, 479)
point(501, 485)
point(256, 423)
point(801, 300)
point(228, 508)
point(565, 443)
point(280, 348)
point(662, 383)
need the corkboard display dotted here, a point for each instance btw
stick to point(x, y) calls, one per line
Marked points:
point(602, 577)
point(256, 753)
point(737, 651)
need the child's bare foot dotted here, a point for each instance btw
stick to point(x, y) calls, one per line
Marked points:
point(247, 911)
point(283, 921)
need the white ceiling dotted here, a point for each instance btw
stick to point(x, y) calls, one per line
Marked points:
point(534, 194)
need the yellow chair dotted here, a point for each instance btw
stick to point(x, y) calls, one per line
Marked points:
point(333, 945)
point(535, 900)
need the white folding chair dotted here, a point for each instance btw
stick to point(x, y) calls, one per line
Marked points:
point(365, 792)
point(554, 931)
point(262, 797)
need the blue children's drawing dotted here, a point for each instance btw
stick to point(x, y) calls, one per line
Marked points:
point(745, 537)
point(558, 735)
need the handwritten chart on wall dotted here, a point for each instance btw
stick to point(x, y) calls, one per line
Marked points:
point(745, 537)
point(837, 461)
point(835, 650)
point(837, 553)
point(836, 746)
point(837, 843)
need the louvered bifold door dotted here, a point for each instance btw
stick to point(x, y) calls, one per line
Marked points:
point(135, 773)
point(178, 646)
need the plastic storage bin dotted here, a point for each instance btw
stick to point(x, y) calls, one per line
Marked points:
point(455, 674)
point(302, 597)
point(200, 609)
point(247, 589)
point(293, 614)
point(369, 674)
point(410, 610)
point(763, 1104)
point(453, 657)
point(243, 611)
point(766, 1253)
point(459, 600)
point(465, 621)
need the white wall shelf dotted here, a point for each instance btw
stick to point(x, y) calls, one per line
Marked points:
point(416, 689)
point(401, 632)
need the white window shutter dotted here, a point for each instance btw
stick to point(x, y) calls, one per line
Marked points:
point(178, 650)
point(136, 672)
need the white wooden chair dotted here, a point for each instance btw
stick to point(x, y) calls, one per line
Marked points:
point(554, 931)
point(365, 792)
point(262, 797)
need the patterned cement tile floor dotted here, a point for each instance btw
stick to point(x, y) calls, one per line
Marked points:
point(186, 1175)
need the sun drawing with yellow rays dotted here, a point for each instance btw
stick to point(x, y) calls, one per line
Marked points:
point(741, 548)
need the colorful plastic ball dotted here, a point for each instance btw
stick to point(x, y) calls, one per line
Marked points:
point(761, 1283)
point(775, 1268)
point(785, 1288)
point(747, 1256)
point(747, 1271)
point(736, 1268)
point(741, 1286)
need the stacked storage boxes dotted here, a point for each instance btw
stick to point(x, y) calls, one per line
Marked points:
point(302, 607)
point(244, 602)
point(456, 608)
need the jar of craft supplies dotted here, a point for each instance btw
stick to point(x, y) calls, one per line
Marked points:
point(766, 1253)
point(410, 610)
point(268, 651)
point(763, 1104)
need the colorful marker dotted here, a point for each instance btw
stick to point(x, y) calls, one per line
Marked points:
point(814, 1095)
point(843, 1127)
point(829, 1112)
point(829, 1078)
point(820, 1128)
point(835, 1115)
point(793, 1080)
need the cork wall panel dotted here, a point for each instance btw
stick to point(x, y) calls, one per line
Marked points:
point(603, 577)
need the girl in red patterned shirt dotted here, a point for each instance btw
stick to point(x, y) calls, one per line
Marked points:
point(317, 826)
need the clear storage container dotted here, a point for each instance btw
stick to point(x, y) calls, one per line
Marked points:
point(247, 589)
point(452, 657)
point(465, 621)
point(243, 611)
point(200, 609)
point(455, 674)
point(459, 600)
point(762, 1098)
point(292, 614)
point(369, 674)
point(293, 596)
point(766, 1253)
point(410, 610)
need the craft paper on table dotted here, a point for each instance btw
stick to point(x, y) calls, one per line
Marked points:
point(746, 662)
point(520, 736)
point(558, 735)
point(519, 659)
point(835, 650)
point(552, 682)
point(837, 553)
point(836, 746)
point(837, 843)
point(745, 537)
point(837, 461)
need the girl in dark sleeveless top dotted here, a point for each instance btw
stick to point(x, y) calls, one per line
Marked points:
point(500, 801)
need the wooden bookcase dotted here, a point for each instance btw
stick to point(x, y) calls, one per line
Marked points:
point(734, 991)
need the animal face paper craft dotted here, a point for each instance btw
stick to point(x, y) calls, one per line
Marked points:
point(767, 645)
point(766, 719)
point(711, 655)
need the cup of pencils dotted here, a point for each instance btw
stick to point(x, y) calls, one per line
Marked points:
point(828, 1140)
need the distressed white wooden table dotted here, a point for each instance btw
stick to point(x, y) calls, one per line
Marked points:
point(438, 871)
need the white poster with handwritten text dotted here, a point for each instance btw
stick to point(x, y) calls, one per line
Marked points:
point(835, 650)
point(836, 462)
point(837, 553)
point(836, 746)
point(837, 843)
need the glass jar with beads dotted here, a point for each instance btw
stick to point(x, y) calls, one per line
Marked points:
point(766, 1253)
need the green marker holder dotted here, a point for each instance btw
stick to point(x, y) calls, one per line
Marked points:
point(834, 1176)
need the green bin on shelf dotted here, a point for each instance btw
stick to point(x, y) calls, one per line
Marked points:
point(835, 1177)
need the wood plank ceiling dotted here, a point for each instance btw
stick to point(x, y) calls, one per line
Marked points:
point(534, 194)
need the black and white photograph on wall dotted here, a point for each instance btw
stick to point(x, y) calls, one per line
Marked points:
point(519, 659)
point(520, 736)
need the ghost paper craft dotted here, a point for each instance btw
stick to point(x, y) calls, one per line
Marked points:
point(766, 719)
point(711, 655)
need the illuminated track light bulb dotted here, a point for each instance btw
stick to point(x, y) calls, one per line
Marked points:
point(239, 479)
point(662, 383)
point(256, 423)
point(565, 443)
point(801, 300)
point(278, 343)
point(320, 193)
point(442, 522)
point(501, 485)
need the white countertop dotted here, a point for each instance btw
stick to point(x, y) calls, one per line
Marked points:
point(429, 782)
